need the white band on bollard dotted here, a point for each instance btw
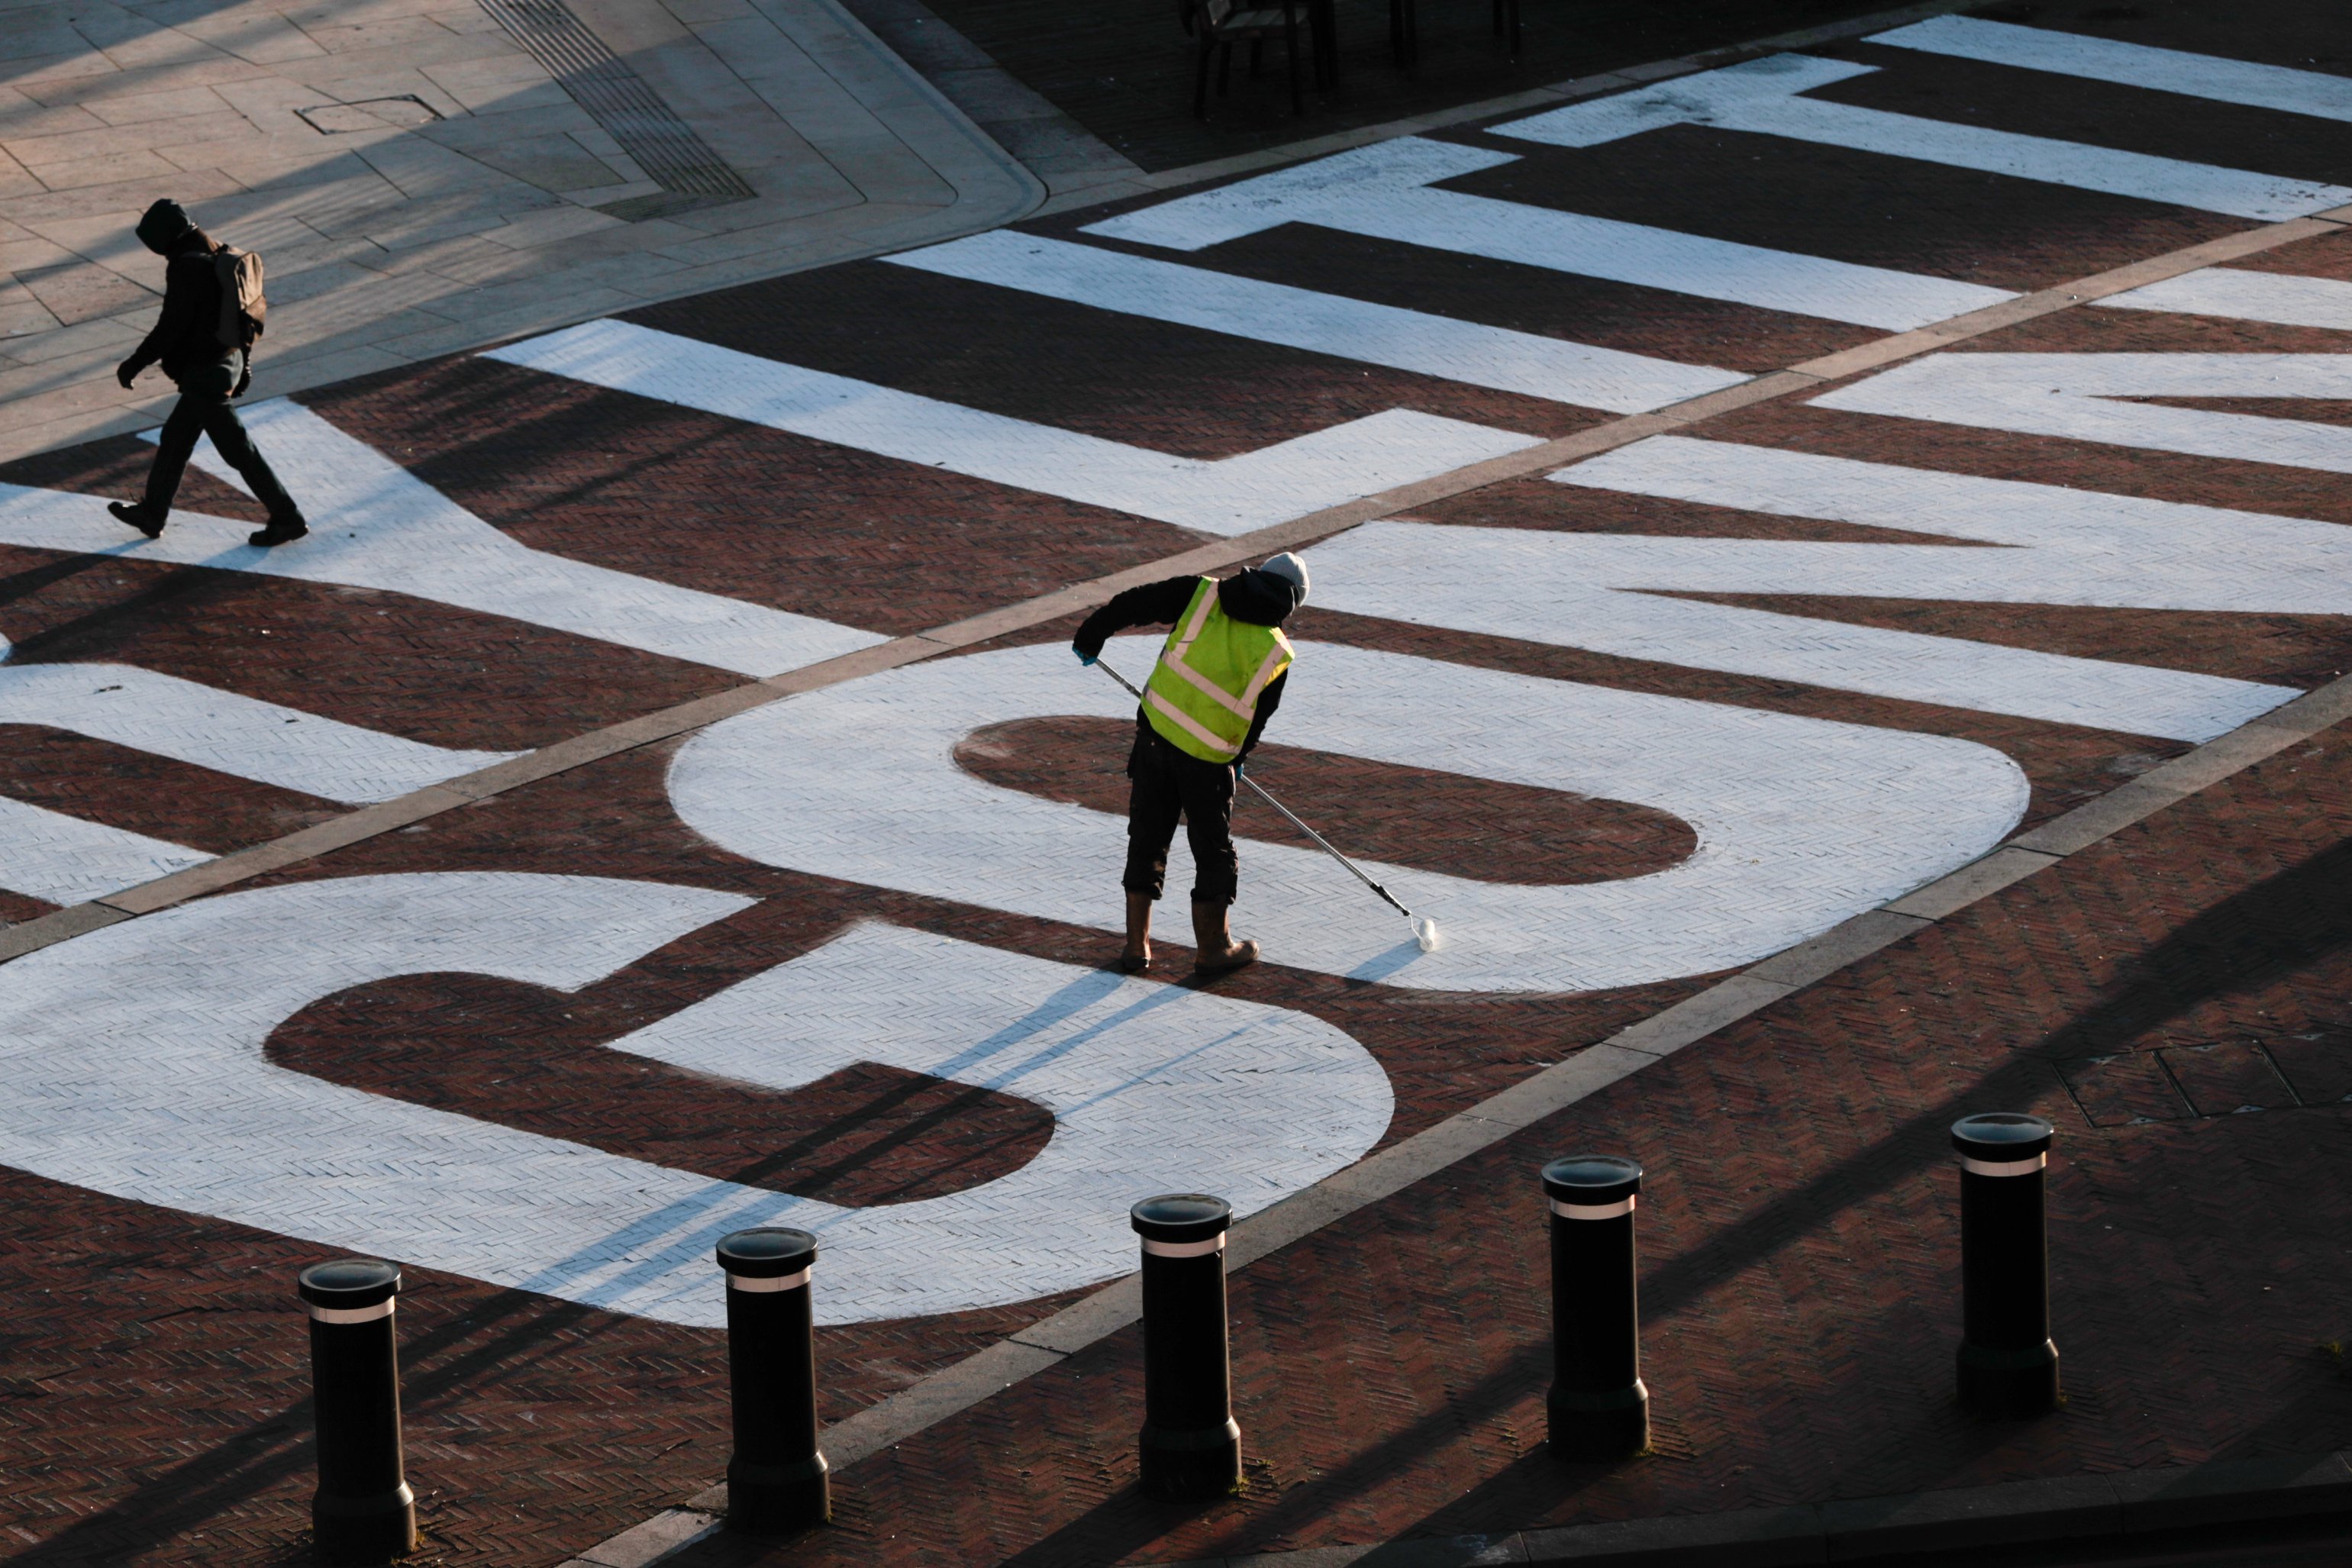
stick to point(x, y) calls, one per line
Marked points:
point(1593, 1211)
point(348, 1314)
point(2004, 1167)
point(781, 1282)
point(1185, 1248)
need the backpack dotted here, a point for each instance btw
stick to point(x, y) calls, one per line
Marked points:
point(243, 310)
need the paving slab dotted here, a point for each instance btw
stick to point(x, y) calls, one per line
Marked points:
point(127, 115)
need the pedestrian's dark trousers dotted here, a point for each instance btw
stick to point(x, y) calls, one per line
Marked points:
point(204, 409)
point(1164, 784)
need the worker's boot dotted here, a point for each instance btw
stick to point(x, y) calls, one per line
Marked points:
point(1214, 950)
point(1137, 958)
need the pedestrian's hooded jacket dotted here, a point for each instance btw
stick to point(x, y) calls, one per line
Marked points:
point(1222, 671)
point(186, 335)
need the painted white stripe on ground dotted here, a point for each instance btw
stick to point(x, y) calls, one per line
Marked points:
point(1380, 192)
point(1333, 324)
point(2223, 80)
point(377, 525)
point(1229, 495)
point(2067, 547)
point(2289, 298)
point(131, 1063)
point(2078, 396)
point(1153, 1089)
point(1800, 823)
point(1760, 96)
point(241, 736)
point(2073, 546)
point(65, 859)
point(1565, 589)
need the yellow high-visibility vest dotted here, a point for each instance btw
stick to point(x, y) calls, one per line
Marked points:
point(1203, 693)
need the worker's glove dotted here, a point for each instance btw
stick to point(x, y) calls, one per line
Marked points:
point(1084, 657)
point(125, 373)
point(1241, 766)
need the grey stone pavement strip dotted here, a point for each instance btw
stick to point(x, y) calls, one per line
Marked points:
point(420, 186)
point(2082, 1508)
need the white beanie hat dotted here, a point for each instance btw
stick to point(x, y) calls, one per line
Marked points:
point(1291, 570)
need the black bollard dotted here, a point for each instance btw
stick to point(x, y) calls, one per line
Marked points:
point(2008, 1365)
point(1191, 1446)
point(777, 1480)
point(362, 1511)
point(1597, 1407)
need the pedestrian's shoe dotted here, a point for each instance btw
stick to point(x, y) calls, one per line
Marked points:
point(281, 531)
point(1216, 951)
point(136, 514)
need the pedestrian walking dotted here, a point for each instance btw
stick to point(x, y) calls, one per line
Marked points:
point(1219, 679)
point(203, 339)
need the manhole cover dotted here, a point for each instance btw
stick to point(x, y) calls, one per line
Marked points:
point(403, 113)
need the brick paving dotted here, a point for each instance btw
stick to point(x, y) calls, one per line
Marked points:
point(1800, 1287)
point(1389, 1366)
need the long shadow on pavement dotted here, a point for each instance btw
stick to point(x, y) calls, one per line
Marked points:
point(201, 1489)
point(2258, 936)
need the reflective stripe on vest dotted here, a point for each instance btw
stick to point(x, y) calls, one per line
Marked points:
point(1203, 693)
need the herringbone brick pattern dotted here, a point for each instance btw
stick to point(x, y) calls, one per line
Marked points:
point(1800, 1263)
point(157, 1391)
point(1797, 1225)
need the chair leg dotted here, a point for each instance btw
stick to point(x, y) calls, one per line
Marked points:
point(1201, 78)
point(1290, 51)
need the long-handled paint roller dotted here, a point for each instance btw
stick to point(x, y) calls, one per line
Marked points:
point(1425, 930)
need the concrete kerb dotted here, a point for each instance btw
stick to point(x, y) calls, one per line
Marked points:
point(1165, 180)
point(1032, 190)
point(2082, 1508)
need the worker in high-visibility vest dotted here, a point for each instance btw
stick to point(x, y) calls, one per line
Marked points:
point(1219, 680)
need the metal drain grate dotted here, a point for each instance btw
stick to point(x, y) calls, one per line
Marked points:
point(631, 112)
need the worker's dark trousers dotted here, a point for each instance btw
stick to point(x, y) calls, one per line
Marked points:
point(1166, 784)
point(204, 409)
